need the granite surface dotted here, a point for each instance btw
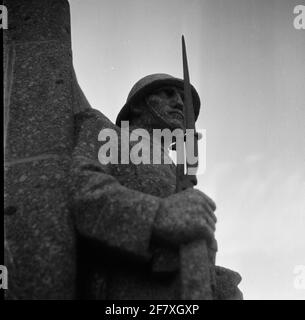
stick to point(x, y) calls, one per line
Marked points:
point(39, 234)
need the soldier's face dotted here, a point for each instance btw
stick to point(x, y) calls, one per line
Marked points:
point(167, 102)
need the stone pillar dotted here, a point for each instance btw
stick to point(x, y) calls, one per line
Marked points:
point(39, 98)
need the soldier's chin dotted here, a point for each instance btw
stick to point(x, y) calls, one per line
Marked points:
point(177, 124)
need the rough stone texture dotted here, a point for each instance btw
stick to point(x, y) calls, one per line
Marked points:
point(40, 110)
point(38, 20)
point(80, 102)
point(39, 233)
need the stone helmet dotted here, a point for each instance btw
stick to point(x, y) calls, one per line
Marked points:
point(149, 83)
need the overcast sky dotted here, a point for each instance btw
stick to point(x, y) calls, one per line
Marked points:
point(247, 62)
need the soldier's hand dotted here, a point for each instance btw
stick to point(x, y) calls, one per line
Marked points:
point(185, 217)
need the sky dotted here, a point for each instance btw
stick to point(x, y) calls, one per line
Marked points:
point(247, 63)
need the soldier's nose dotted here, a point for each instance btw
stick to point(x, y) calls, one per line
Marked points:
point(177, 103)
point(175, 100)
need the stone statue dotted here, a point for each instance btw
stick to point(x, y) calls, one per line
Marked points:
point(125, 213)
point(74, 227)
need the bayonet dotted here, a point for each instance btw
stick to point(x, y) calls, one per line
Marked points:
point(196, 268)
point(196, 261)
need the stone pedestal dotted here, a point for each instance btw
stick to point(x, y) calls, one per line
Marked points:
point(39, 99)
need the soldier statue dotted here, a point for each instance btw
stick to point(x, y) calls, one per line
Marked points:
point(126, 213)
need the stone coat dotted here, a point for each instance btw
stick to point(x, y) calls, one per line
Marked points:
point(114, 207)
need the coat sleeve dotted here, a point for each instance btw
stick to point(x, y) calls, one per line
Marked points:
point(104, 210)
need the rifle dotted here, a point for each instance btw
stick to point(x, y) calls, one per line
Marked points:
point(196, 263)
